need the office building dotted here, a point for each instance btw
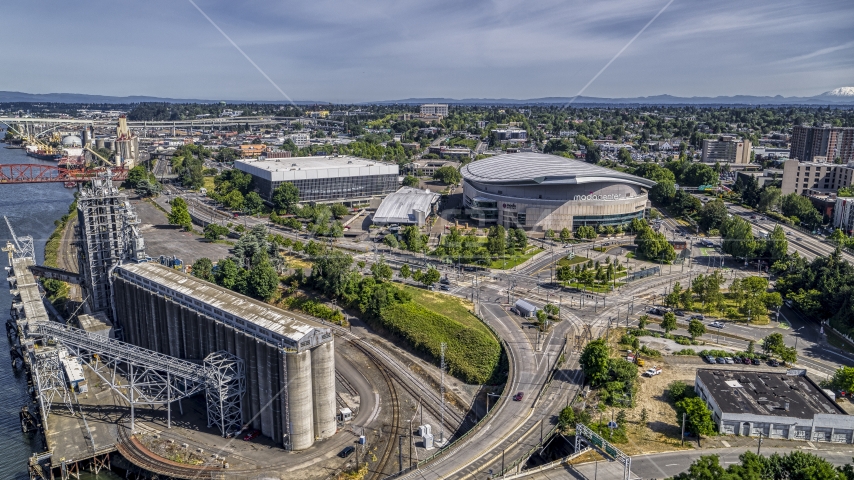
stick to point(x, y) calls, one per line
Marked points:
point(435, 109)
point(825, 141)
point(815, 177)
point(773, 404)
point(539, 192)
point(325, 179)
point(510, 135)
point(726, 149)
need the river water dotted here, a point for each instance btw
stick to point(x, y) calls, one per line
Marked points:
point(32, 210)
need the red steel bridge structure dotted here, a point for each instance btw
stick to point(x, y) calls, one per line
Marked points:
point(37, 173)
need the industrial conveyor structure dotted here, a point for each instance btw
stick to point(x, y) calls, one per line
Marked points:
point(145, 377)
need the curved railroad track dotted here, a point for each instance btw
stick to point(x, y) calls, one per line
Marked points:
point(134, 452)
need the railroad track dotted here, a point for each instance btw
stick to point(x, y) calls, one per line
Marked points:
point(378, 473)
point(135, 453)
point(453, 418)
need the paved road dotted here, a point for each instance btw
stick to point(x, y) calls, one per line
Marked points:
point(514, 426)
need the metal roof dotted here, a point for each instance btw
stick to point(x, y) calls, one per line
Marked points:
point(400, 206)
point(538, 168)
point(766, 393)
point(251, 310)
point(300, 168)
point(525, 306)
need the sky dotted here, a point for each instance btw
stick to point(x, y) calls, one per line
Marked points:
point(360, 51)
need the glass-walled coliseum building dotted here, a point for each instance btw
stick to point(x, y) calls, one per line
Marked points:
point(538, 192)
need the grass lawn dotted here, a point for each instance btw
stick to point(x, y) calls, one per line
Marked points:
point(568, 262)
point(517, 259)
point(447, 305)
point(209, 183)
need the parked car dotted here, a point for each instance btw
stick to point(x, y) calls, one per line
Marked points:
point(756, 361)
point(346, 452)
point(249, 436)
point(729, 360)
point(679, 313)
point(774, 363)
point(720, 360)
point(444, 287)
point(444, 281)
point(697, 317)
point(710, 358)
point(653, 371)
point(518, 397)
point(717, 324)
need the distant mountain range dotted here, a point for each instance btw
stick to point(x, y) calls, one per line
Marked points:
point(840, 96)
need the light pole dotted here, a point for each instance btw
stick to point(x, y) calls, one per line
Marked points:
point(796, 337)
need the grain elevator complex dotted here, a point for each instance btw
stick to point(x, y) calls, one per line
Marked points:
point(290, 365)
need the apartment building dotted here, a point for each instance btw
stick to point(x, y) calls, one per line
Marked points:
point(435, 109)
point(818, 176)
point(825, 141)
point(726, 149)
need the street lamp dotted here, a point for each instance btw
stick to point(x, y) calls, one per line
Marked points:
point(796, 337)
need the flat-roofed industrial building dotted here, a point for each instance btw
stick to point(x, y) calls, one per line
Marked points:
point(773, 404)
point(324, 179)
point(290, 363)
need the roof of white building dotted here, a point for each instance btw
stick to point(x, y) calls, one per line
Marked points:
point(299, 168)
point(400, 206)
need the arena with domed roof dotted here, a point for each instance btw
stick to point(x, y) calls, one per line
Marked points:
point(538, 192)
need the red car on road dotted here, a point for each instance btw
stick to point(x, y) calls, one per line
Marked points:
point(518, 397)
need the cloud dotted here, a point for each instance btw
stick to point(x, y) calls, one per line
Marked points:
point(348, 50)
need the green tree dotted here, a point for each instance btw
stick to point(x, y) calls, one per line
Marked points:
point(496, 241)
point(663, 192)
point(227, 273)
point(594, 361)
point(567, 418)
point(448, 175)
point(550, 234)
point(391, 240)
point(738, 238)
point(405, 272)
point(565, 235)
point(213, 231)
point(285, 197)
point(698, 418)
point(253, 202)
point(202, 268)
point(668, 322)
point(769, 199)
point(712, 215)
point(773, 343)
point(381, 271)
point(777, 246)
point(234, 200)
point(707, 467)
point(179, 215)
point(339, 210)
point(410, 181)
point(696, 329)
point(431, 276)
point(412, 238)
point(263, 279)
point(643, 321)
point(843, 379)
point(795, 205)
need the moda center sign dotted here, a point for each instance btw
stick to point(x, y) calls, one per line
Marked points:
point(613, 196)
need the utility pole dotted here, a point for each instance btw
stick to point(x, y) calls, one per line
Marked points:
point(759, 447)
point(683, 429)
